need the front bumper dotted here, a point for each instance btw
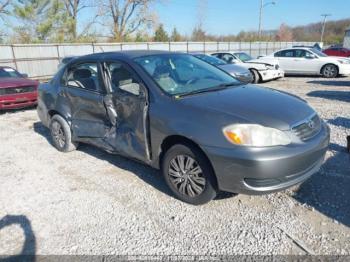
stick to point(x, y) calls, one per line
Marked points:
point(15, 101)
point(265, 170)
point(271, 74)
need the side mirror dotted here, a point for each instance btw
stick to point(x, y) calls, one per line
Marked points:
point(25, 75)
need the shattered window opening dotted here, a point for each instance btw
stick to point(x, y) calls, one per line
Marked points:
point(124, 79)
point(84, 76)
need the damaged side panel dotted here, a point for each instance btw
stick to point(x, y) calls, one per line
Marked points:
point(127, 136)
point(88, 113)
point(115, 120)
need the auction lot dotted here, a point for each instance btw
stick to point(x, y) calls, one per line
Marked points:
point(91, 202)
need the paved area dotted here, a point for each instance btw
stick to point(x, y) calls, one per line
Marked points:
point(90, 202)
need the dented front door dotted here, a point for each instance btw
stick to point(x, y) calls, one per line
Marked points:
point(129, 103)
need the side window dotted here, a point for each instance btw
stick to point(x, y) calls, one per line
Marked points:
point(84, 76)
point(123, 79)
point(300, 53)
point(309, 54)
point(228, 58)
point(278, 54)
point(287, 53)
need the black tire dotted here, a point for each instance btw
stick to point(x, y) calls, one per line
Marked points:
point(193, 190)
point(256, 76)
point(61, 134)
point(329, 71)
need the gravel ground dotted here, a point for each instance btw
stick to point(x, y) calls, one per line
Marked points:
point(90, 202)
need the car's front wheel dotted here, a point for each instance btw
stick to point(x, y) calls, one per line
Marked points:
point(189, 175)
point(61, 134)
point(330, 71)
point(256, 76)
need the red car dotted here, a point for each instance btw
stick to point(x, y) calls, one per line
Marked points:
point(16, 90)
point(337, 51)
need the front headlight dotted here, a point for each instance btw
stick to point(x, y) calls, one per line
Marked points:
point(255, 135)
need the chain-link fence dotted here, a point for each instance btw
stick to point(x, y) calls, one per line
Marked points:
point(41, 60)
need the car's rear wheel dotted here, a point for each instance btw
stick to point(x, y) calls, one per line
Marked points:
point(61, 134)
point(189, 175)
point(329, 71)
point(256, 76)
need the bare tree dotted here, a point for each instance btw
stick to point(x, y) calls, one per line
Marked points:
point(72, 8)
point(284, 33)
point(4, 5)
point(198, 33)
point(127, 16)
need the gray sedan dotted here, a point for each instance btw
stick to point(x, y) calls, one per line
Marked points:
point(201, 127)
point(237, 71)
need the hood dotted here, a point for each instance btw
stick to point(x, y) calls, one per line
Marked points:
point(16, 82)
point(233, 68)
point(270, 60)
point(254, 104)
point(334, 58)
point(256, 61)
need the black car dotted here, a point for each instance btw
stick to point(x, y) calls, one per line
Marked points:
point(203, 128)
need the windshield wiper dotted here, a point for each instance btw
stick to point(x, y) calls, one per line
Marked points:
point(210, 89)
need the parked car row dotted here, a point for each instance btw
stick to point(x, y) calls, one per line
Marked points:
point(17, 91)
point(237, 71)
point(204, 129)
point(261, 71)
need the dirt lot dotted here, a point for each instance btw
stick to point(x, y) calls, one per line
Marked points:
point(90, 202)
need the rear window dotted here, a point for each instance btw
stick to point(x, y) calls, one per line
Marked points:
point(9, 72)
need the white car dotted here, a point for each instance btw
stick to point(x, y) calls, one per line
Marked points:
point(310, 61)
point(262, 71)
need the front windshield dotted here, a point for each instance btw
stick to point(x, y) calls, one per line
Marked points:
point(211, 60)
point(9, 72)
point(178, 74)
point(244, 57)
point(319, 53)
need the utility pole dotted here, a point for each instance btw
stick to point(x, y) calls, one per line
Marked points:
point(262, 6)
point(260, 16)
point(324, 25)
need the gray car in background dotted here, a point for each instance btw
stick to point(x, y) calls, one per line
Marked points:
point(205, 130)
point(237, 71)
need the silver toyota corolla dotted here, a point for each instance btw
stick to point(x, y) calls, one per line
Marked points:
point(201, 127)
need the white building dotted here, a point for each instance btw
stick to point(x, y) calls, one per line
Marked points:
point(346, 43)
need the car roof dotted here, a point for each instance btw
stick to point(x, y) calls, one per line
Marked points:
point(130, 54)
point(293, 48)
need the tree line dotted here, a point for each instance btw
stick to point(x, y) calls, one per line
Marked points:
point(52, 21)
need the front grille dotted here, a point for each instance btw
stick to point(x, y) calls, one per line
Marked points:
point(308, 129)
point(17, 90)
